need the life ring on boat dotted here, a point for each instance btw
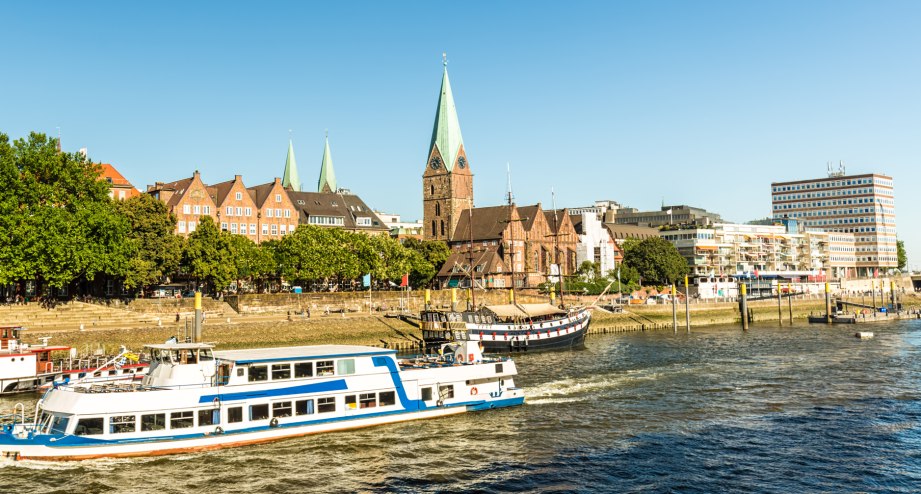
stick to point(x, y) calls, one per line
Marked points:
point(218, 430)
point(473, 391)
point(273, 422)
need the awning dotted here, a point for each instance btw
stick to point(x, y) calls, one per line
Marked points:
point(707, 247)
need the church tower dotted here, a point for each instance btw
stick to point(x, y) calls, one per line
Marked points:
point(327, 182)
point(447, 184)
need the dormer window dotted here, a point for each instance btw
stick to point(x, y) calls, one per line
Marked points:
point(239, 196)
point(278, 198)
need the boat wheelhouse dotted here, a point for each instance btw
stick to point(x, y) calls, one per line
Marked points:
point(508, 328)
point(196, 399)
point(25, 367)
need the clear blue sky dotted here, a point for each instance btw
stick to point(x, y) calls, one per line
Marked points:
point(701, 103)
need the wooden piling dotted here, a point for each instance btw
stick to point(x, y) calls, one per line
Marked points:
point(743, 306)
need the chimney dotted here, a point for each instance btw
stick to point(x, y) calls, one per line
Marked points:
point(237, 178)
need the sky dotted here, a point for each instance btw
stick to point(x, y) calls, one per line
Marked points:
point(700, 103)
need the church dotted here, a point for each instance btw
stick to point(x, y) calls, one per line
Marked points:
point(492, 247)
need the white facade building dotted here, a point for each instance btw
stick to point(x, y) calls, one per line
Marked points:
point(595, 244)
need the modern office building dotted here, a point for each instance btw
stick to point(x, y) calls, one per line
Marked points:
point(861, 205)
point(667, 215)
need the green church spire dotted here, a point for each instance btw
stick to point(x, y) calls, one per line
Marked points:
point(446, 135)
point(291, 179)
point(327, 182)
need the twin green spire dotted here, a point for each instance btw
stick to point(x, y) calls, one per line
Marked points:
point(446, 135)
point(327, 181)
point(291, 179)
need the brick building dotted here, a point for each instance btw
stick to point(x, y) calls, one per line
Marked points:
point(276, 214)
point(188, 199)
point(236, 210)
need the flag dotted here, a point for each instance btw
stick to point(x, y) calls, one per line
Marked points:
point(669, 211)
point(366, 280)
point(405, 280)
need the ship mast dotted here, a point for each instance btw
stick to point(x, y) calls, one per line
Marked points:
point(556, 246)
point(470, 256)
point(511, 203)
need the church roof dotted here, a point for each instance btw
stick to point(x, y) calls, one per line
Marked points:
point(446, 135)
point(327, 174)
point(291, 178)
point(488, 223)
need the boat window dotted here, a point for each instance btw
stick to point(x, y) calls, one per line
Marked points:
point(153, 422)
point(281, 371)
point(259, 412)
point(350, 402)
point(303, 369)
point(387, 398)
point(89, 426)
point(59, 425)
point(446, 392)
point(346, 367)
point(325, 405)
point(113, 372)
point(367, 400)
point(281, 409)
point(235, 414)
point(119, 424)
point(498, 368)
point(426, 394)
point(205, 354)
point(155, 355)
point(181, 420)
point(258, 373)
point(44, 421)
point(303, 407)
point(325, 368)
point(240, 371)
point(209, 417)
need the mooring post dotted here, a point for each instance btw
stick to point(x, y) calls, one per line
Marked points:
point(674, 310)
point(453, 299)
point(687, 307)
point(892, 294)
point(827, 303)
point(790, 301)
point(873, 293)
point(428, 299)
point(196, 330)
point(743, 307)
point(779, 309)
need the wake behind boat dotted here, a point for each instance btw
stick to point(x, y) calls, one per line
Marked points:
point(508, 328)
point(195, 399)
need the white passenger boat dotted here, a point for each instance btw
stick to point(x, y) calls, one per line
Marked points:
point(194, 399)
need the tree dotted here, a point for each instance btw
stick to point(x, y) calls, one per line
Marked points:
point(656, 260)
point(157, 249)
point(250, 261)
point(901, 255)
point(426, 260)
point(208, 255)
point(58, 223)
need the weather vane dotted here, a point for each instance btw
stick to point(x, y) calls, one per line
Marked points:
point(444, 58)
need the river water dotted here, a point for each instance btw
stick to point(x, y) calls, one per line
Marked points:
point(802, 409)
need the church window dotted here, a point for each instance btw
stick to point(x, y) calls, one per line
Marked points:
point(442, 227)
point(437, 209)
point(432, 189)
point(433, 228)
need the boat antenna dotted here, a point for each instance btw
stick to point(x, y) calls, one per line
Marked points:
point(556, 247)
point(509, 197)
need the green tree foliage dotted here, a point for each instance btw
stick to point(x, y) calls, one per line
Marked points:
point(426, 260)
point(656, 260)
point(901, 255)
point(208, 255)
point(157, 250)
point(58, 223)
point(250, 261)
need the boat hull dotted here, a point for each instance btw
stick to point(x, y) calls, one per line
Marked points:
point(562, 334)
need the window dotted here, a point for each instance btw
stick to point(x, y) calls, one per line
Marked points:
point(303, 407)
point(326, 405)
point(252, 228)
point(325, 368)
point(281, 409)
point(274, 229)
point(186, 209)
point(259, 412)
point(277, 197)
point(119, 424)
point(345, 367)
point(281, 371)
point(235, 415)
point(182, 227)
point(445, 392)
point(153, 422)
point(443, 227)
point(498, 368)
point(196, 209)
point(191, 226)
point(223, 226)
point(350, 402)
point(242, 228)
point(434, 231)
point(363, 221)
point(89, 426)
point(303, 369)
point(59, 424)
point(387, 398)
point(233, 228)
point(247, 211)
point(239, 196)
point(278, 213)
point(287, 213)
point(367, 400)
point(426, 394)
point(229, 211)
point(258, 373)
point(265, 229)
point(437, 209)
point(181, 420)
point(206, 209)
point(209, 417)
point(283, 228)
point(238, 211)
point(268, 213)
